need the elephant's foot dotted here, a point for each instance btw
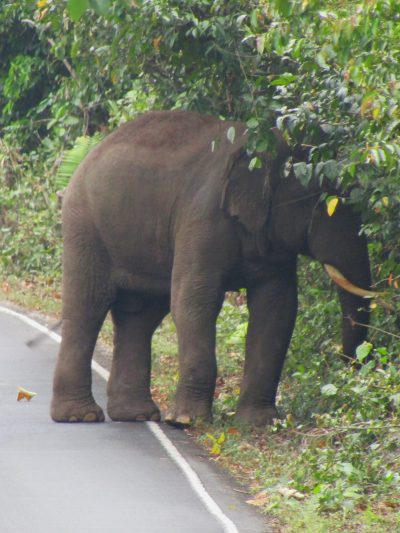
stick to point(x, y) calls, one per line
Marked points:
point(256, 415)
point(125, 409)
point(184, 414)
point(66, 410)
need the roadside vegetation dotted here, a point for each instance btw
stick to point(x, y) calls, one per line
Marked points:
point(328, 74)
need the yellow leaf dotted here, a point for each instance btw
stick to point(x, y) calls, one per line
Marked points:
point(42, 3)
point(221, 438)
point(24, 394)
point(376, 112)
point(385, 201)
point(156, 43)
point(216, 449)
point(366, 105)
point(331, 205)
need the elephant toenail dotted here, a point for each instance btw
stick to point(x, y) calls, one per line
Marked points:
point(184, 420)
point(73, 419)
point(141, 418)
point(90, 417)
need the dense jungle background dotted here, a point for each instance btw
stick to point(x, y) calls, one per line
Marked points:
point(327, 73)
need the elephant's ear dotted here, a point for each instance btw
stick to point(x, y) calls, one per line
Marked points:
point(246, 195)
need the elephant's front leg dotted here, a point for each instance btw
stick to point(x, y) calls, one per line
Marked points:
point(196, 302)
point(272, 308)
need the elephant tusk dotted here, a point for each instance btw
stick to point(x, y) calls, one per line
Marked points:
point(345, 284)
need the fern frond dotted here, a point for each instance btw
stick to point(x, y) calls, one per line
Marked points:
point(73, 157)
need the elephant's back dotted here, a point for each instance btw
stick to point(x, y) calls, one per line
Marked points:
point(154, 161)
point(149, 177)
point(170, 140)
point(177, 135)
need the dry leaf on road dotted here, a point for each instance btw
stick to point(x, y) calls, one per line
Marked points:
point(24, 394)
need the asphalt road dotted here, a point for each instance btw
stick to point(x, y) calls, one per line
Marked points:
point(103, 478)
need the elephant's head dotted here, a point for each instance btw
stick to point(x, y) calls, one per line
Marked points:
point(304, 225)
point(294, 220)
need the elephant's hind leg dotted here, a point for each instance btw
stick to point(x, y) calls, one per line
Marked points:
point(135, 320)
point(87, 296)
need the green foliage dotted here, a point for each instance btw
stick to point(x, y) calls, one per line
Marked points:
point(76, 8)
point(74, 156)
point(29, 217)
point(136, 101)
point(324, 73)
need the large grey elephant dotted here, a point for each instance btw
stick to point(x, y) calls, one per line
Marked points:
point(164, 214)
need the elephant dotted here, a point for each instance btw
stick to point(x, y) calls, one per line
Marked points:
point(165, 215)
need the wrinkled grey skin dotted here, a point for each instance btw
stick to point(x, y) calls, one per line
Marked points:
point(164, 214)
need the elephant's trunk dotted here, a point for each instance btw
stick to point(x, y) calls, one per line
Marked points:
point(354, 301)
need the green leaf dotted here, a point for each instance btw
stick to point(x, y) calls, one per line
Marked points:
point(285, 79)
point(254, 18)
point(367, 368)
point(395, 398)
point(321, 61)
point(331, 169)
point(284, 7)
point(255, 163)
point(252, 123)
point(329, 389)
point(347, 468)
point(356, 195)
point(102, 7)
point(297, 49)
point(231, 134)
point(76, 8)
point(363, 351)
point(262, 145)
point(303, 172)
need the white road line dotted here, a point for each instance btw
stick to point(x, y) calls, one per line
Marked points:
point(193, 479)
point(31, 323)
point(191, 476)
